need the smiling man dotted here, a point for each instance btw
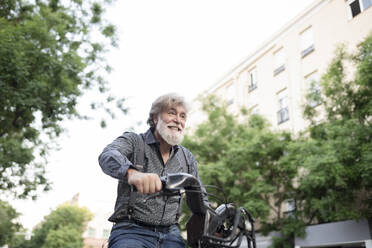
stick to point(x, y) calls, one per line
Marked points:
point(138, 161)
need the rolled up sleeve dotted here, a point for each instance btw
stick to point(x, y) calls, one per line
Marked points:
point(114, 158)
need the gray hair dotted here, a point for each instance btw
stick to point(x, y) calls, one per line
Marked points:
point(163, 103)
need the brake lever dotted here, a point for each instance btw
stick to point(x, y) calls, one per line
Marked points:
point(163, 193)
point(151, 196)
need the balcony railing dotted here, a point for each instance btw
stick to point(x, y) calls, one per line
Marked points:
point(252, 87)
point(307, 51)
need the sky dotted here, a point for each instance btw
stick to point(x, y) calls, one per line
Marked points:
point(164, 46)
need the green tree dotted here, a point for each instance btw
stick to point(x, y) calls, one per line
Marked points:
point(337, 184)
point(8, 226)
point(246, 160)
point(65, 236)
point(209, 143)
point(212, 138)
point(51, 53)
point(335, 153)
point(62, 228)
point(19, 240)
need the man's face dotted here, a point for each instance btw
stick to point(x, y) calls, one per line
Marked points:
point(170, 124)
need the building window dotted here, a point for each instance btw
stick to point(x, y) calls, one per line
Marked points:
point(106, 233)
point(355, 8)
point(230, 93)
point(358, 6)
point(279, 62)
point(290, 207)
point(307, 42)
point(91, 232)
point(366, 4)
point(283, 113)
point(313, 89)
point(252, 80)
point(254, 110)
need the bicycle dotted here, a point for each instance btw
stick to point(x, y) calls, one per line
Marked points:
point(225, 226)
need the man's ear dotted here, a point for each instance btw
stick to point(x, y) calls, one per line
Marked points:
point(155, 119)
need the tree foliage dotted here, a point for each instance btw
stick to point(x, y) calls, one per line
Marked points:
point(8, 224)
point(245, 160)
point(51, 52)
point(62, 228)
point(338, 184)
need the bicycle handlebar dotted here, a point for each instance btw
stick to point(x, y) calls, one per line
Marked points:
point(179, 183)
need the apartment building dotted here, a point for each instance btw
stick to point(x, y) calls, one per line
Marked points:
point(98, 230)
point(274, 79)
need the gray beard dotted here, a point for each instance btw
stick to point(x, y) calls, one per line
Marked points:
point(169, 137)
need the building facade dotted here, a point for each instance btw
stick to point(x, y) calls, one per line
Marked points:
point(275, 78)
point(98, 229)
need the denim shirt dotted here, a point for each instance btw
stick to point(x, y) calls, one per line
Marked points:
point(118, 157)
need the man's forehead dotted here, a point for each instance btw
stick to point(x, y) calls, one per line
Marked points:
point(179, 108)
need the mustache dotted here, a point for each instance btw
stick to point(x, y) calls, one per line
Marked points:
point(177, 126)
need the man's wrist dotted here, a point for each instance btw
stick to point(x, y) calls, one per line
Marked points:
point(130, 171)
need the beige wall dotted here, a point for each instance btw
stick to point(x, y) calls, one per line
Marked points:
point(98, 230)
point(94, 243)
point(331, 25)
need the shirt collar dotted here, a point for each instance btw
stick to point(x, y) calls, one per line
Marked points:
point(150, 139)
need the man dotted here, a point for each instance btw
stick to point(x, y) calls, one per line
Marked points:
point(139, 161)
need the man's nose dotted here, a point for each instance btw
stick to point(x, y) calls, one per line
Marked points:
point(177, 119)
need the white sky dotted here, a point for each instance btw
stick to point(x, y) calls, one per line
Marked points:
point(165, 46)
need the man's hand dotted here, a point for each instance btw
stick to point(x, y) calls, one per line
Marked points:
point(146, 183)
